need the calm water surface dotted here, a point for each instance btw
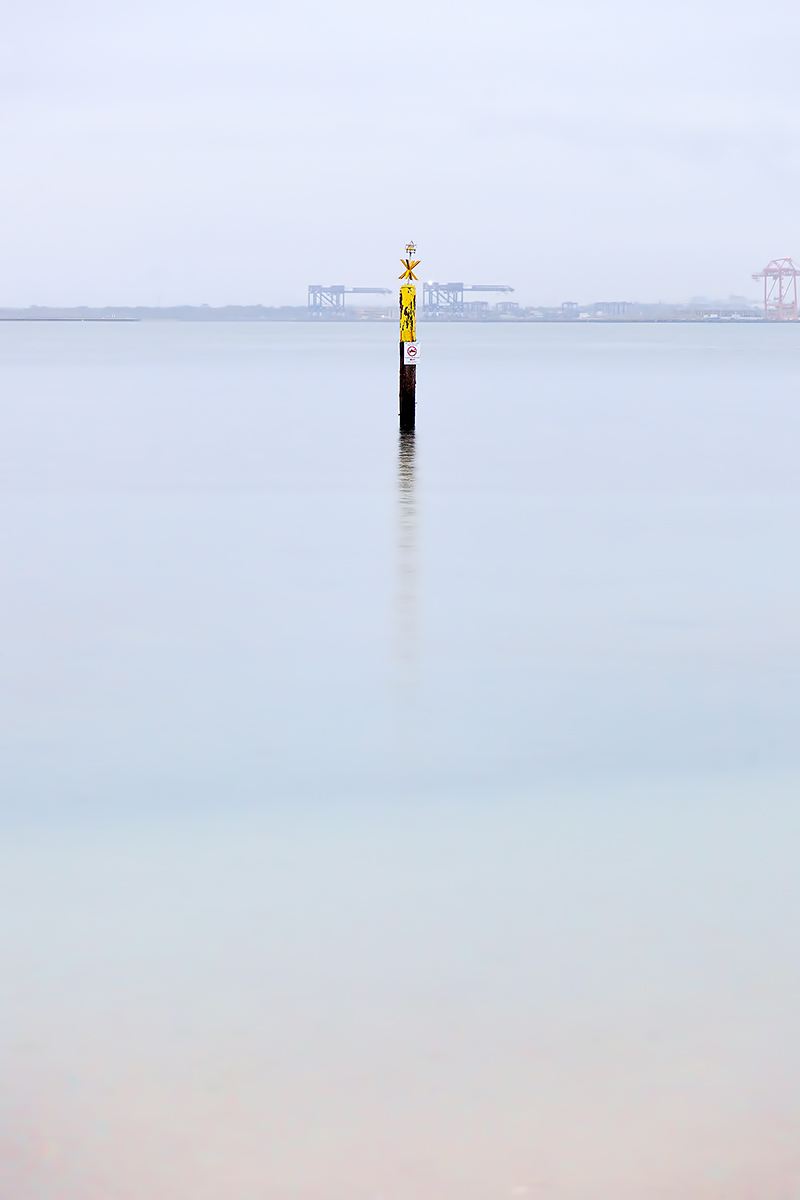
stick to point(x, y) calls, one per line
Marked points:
point(399, 820)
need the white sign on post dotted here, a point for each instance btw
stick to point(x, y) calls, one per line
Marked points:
point(411, 351)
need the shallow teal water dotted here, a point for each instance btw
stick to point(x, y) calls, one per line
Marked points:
point(399, 820)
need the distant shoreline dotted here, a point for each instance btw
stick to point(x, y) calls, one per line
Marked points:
point(107, 320)
point(618, 313)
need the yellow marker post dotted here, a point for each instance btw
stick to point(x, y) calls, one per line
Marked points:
point(408, 341)
point(408, 313)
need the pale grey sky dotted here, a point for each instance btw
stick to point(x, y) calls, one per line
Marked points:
point(234, 152)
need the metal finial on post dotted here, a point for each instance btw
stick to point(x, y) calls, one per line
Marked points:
point(408, 340)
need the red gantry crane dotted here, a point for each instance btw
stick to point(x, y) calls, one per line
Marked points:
point(780, 290)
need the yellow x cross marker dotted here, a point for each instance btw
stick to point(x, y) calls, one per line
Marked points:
point(409, 268)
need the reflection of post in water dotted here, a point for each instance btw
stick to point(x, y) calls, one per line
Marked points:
point(406, 553)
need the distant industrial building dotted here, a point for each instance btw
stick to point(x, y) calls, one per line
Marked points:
point(445, 301)
point(329, 299)
point(735, 308)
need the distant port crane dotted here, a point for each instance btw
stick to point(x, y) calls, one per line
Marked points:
point(780, 290)
point(438, 299)
point(331, 299)
point(447, 299)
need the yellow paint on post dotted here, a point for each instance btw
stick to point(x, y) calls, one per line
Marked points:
point(408, 313)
